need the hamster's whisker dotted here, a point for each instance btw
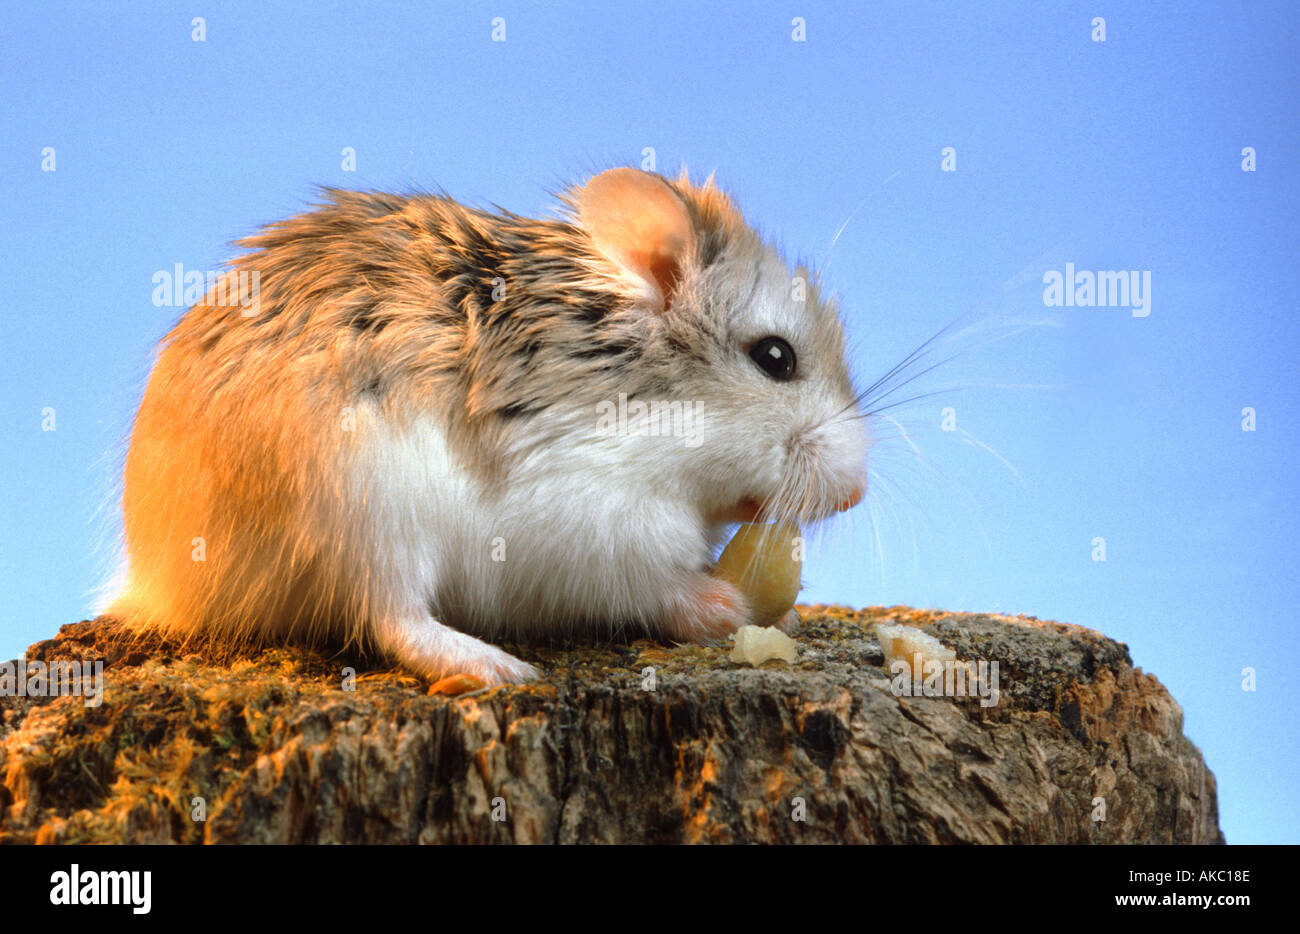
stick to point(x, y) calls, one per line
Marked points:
point(909, 359)
point(902, 402)
point(972, 440)
point(915, 376)
point(887, 385)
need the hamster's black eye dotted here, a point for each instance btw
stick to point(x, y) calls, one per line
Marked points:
point(775, 357)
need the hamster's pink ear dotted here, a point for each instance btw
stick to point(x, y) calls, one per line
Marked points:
point(640, 224)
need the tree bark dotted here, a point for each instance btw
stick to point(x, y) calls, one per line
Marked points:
point(634, 742)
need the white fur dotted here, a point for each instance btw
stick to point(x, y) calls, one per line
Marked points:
point(582, 542)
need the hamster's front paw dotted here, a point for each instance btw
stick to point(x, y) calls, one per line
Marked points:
point(707, 609)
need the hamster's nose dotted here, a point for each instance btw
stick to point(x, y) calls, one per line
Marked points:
point(852, 499)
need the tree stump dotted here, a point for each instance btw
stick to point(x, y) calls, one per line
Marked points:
point(632, 742)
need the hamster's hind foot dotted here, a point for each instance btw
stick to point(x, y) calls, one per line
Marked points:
point(427, 647)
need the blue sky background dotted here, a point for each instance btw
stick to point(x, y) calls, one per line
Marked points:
point(1117, 155)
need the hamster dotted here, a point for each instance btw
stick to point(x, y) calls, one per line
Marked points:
point(419, 427)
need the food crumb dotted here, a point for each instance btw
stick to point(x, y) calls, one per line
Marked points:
point(757, 644)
